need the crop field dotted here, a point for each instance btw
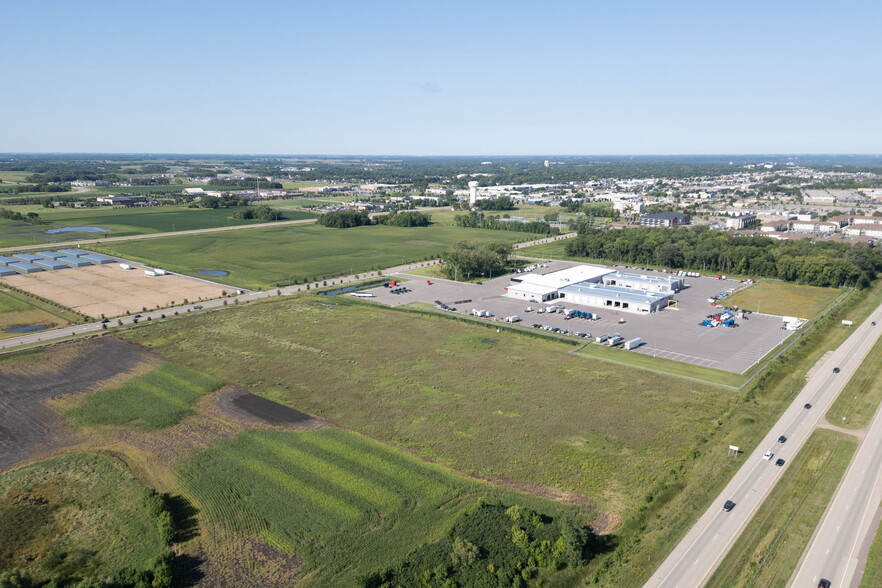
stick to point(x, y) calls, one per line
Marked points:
point(17, 313)
point(75, 515)
point(160, 398)
point(501, 405)
point(345, 504)
point(120, 222)
point(768, 550)
point(268, 257)
point(782, 299)
point(108, 290)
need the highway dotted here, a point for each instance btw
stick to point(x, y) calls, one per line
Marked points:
point(833, 553)
point(699, 553)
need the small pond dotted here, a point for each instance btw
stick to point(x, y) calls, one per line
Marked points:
point(78, 230)
point(27, 329)
point(215, 273)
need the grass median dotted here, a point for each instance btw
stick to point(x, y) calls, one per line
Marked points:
point(858, 402)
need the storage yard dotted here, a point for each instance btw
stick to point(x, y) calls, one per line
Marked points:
point(96, 286)
point(670, 327)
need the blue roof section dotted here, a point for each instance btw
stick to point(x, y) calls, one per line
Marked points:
point(50, 254)
point(26, 257)
point(51, 264)
point(25, 268)
point(614, 292)
point(72, 252)
point(96, 258)
point(75, 261)
point(5, 271)
point(5, 260)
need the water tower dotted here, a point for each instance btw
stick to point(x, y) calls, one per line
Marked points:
point(473, 193)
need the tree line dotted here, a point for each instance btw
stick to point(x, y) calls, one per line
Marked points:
point(31, 217)
point(822, 263)
point(465, 260)
point(478, 220)
point(345, 219)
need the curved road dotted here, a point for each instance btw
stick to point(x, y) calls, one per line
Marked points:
point(699, 553)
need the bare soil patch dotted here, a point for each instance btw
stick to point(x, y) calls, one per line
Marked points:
point(241, 404)
point(603, 522)
point(111, 291)
point(249, 562)
point(27, 381)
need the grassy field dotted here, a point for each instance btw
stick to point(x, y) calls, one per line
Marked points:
point(768, 550)
point(119, 221)
point(345, 504)
point(782, 299)
point(157, 399)
point(492, 404)
point(873, 571)
point(75, 515)
point(860, 399)
point(18, 310)
point(267, 257)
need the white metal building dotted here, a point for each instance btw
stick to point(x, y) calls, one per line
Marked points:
point(614, 297)
point(663, 284)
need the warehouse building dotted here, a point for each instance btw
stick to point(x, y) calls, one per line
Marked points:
point(599, 287)
point(663, 284)
point(614, 297)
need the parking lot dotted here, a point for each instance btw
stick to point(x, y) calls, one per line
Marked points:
point(673, 333)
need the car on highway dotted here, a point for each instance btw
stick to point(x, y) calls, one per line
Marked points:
point(728, 506)
point(780, 462)
point(807, 406)
point(137, 316)
point(768, 455)
point(782, 439)
point(824, 583)
point(197, 307)
point(836, 370)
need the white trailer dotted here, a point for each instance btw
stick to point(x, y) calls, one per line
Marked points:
point(150, 272)
point(633, 343)
point(848, 323)
point(125, 266)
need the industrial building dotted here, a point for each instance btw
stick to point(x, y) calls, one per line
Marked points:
point(50, 264)
point(52, 260)
point(97, 259)
point(27, 257)
point(75, 261)
point(665, 219)
point(7, 260)
point(50, 254)
point(73, 252)
point(23, 267)
point(597, 287)
point(5, 271)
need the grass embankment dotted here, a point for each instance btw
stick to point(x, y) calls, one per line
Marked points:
point(783, 299)
point(160, 398)
point(18, 309)
point(73, 516)
point(345, 504)
point(120, 222)
point(268, 257)
point(768, 550)
point(859, 400)
point(872, 577)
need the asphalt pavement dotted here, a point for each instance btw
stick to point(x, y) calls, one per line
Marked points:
point(699, 553)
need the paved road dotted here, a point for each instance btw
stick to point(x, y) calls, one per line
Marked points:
point(702, 549)
point(834, 552)
point(80, 242)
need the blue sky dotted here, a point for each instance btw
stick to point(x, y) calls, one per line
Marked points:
point(434, 78)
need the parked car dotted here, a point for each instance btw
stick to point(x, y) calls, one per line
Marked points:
point(728, 506)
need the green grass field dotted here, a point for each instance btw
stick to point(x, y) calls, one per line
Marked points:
point(120, 222)
point(20, 310)
point(267, 257)
point(157, 399)
point(783, 299)
point(73, 516)
point(516, 407)
point(873, 571)
point(768, 550)
point(346, 504)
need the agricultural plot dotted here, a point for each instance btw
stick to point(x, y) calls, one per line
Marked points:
point(345, 504)
point(783, 299)
point(502, 405)
point(107, 290)
point(160, 398)
point(28, 379)
point(120, 222)
point(17, 316)
point(267, 257)
point(78, 515)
